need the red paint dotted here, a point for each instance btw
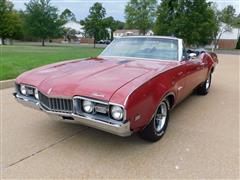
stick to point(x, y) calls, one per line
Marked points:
point(137, 84)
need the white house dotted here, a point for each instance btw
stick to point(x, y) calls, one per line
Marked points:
point(129, 32)
point(75, 26)
point(125, 32)
point(150, 33)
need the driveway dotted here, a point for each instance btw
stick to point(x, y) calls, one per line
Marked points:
point(202, 140)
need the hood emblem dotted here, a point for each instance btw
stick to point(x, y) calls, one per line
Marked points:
point(98, 94)
point(49, 91)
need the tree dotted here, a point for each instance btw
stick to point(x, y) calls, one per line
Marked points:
point(238, 43)
point(140, 14)
point(113, 25)
point(69, 34)
point(166, 13)
point(226, 19)
point(236, 24)
point(42, 20)
point(193, 21)
point(95, 25)
point(67, 15)
point(10, 26)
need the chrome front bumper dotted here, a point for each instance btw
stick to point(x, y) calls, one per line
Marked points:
point(122, 129)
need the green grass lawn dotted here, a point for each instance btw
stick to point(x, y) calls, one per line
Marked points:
point(16, 59)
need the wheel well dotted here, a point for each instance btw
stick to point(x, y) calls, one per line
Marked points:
point(171, 100)
point(212, 69)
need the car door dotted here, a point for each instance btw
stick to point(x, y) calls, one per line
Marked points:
point(188, 75)
point(180, 79)
point(194, 72)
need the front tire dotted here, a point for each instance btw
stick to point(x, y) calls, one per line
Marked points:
point(158, 125)
point(204, 88)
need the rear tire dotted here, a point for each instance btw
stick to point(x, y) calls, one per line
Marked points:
point(158, 125)
point(204, 88)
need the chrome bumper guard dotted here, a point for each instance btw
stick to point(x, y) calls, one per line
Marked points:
point(122, 129)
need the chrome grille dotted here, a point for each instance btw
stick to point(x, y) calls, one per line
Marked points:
point(56, 104)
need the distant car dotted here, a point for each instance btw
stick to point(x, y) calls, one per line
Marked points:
point(104, 42)
point(130, 87)
point(107, 41)
point(101, 42)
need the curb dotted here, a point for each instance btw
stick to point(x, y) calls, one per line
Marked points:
point(7, 84)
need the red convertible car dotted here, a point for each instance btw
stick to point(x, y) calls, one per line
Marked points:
point(130, 87)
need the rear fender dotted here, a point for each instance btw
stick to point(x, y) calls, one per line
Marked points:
point(215, 61)
point(214, 57)
point(210, 60)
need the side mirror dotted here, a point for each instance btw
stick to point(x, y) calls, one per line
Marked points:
point(192, 55)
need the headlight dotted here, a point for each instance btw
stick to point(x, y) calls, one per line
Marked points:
point(88, 106)
point(117, 112)
point(36, 95)
point(23, 89)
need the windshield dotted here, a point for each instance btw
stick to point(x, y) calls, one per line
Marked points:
point(152, 48)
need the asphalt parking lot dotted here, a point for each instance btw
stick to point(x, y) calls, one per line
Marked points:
point(202, 140)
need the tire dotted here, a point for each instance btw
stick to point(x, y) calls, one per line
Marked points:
point(204, 88)
point(158, 125)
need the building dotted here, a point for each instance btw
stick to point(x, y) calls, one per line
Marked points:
point(80, 35)
point(228, 40)
point(77, 27)
point(126, 32)
point(150, 33)
point(129, 32)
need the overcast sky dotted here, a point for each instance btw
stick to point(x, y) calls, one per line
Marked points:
point(114, 8)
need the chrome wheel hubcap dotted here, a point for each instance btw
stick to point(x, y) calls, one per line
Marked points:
point(161, 117)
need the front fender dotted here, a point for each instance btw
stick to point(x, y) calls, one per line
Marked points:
point(143, 102)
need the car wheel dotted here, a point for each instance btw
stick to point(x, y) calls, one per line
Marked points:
point(158, 125)
point(204, 88)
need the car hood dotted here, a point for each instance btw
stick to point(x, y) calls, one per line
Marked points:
point(95, 77)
